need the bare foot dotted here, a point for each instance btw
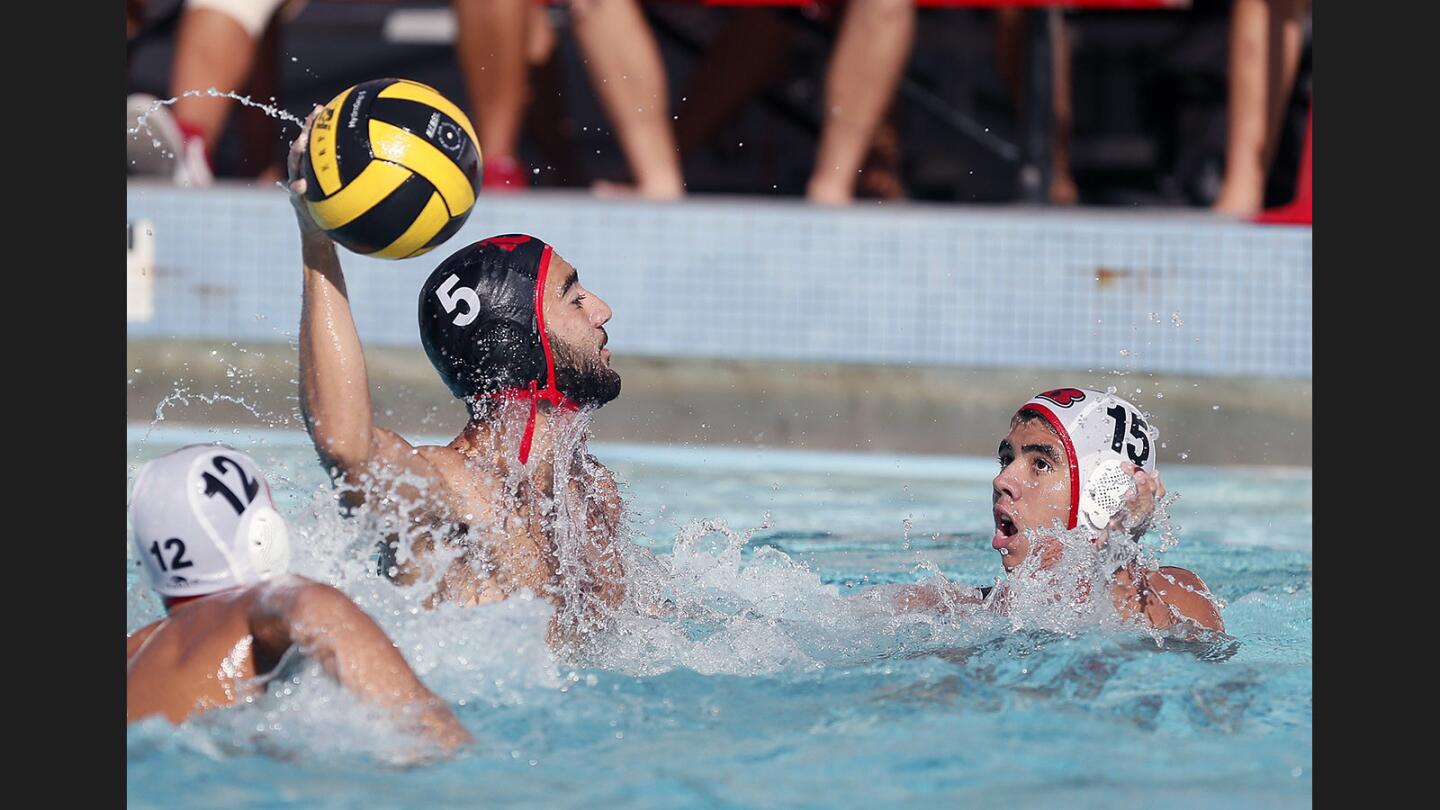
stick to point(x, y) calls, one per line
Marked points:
point(1063, 190)
point(826, 194)
point(1239, 198)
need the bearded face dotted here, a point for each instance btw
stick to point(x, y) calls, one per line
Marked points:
point(582, 376)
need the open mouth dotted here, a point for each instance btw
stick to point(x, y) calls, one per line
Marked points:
point(1005, 529)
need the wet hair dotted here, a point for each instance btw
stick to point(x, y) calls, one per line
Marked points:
point(1030, 415)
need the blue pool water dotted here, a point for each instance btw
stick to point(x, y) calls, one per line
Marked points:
point(777, 689)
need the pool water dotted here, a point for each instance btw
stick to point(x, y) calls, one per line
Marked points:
point(774, 686)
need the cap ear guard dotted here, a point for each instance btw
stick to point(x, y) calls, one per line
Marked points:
point(267, 539)
point(1104, 493)
point(1101, 432)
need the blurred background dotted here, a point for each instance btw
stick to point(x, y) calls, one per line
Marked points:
point(1138, 114)
point(872, 225)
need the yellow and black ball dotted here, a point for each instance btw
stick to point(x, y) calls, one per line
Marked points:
point(392, 168)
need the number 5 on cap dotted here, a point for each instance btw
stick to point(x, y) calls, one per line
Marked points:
point(450, 296)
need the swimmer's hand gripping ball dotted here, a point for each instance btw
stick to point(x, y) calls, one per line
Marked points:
point(391, 169)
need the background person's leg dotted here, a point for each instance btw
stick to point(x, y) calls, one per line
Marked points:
point(870, 54)
point(629, 76)
point(1063, 190)
point(1011, 30)
point(1265, 43)
point(490, 45)
point(746, 56)
point(215, 47)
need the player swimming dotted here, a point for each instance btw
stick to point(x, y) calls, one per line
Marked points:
point(210, 542)
point(1076, 457)
point(515, 499)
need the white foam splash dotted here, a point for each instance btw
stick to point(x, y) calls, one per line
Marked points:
point(142, 121)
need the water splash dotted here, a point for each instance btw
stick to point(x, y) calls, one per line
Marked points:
point(716, 603)
point(182, 395)
point(1069, 591)
point(142, 121)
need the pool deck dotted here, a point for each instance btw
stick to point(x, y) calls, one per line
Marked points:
point(748, 403)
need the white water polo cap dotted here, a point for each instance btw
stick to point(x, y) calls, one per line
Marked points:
point(1100, 432)
point(205, 521)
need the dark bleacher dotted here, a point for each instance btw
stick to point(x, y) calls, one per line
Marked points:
point(1148, 100)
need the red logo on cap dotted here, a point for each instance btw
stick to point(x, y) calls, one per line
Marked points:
point(1064, 397)
point(506, 243)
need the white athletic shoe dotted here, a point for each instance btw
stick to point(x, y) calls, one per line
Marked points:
point(156, 146)
point(193, 169)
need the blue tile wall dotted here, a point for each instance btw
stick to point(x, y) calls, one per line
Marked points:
point(968, 286)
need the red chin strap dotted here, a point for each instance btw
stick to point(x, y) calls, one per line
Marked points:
point(550, 393)
point(172, 602)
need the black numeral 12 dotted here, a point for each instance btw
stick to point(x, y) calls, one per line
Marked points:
point(177, 561)
point(214, 486)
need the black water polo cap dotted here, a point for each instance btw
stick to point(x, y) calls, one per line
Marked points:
point(482, 322)
point(480, 316)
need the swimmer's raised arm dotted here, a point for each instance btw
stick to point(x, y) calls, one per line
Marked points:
point(1138, 506)
point(1170, 595)
point(329, 628)
point(334, 384)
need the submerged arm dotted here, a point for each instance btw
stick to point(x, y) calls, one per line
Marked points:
point(936, 596)
point(327, 627)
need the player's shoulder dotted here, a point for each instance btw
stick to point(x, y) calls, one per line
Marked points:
point(1183, 590)
point(1175, 575)
point(137, 639)
point(440, 453)
point(294, 594)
